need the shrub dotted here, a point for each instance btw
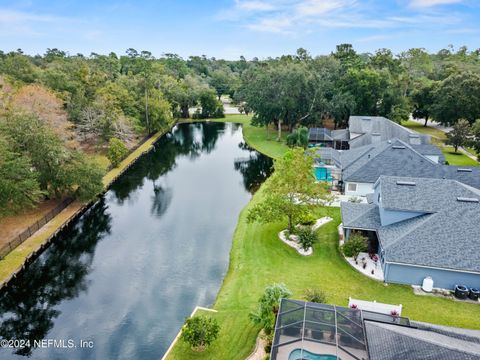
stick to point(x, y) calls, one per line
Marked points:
point(307, 219)
point(200, 331)
point(268, 306)
point(315, 295)
point(306, 238)
point(298, 137)
point(117, 151)
point(355, 245)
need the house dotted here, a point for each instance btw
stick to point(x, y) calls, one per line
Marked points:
point(356, 170)
point(306, 330)
point(421, 227)
point(365, 130)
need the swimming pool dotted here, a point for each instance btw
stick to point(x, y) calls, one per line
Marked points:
point(299, 354)
point(322, 174)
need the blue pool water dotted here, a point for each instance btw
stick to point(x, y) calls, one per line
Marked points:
point(322, 174)
point(298, 354)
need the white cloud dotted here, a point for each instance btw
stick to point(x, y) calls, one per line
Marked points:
point(254, 5)
point(430, 3)
point(320, 7)
point(306, 16)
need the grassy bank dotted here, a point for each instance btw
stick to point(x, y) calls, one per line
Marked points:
point(256, 137)
point(258, 258)
point(15, 259)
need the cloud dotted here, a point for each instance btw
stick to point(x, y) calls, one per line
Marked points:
point(431, 3)
point(254, 5)
point(306, 16)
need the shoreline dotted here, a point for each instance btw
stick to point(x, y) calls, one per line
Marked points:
point(32, 247)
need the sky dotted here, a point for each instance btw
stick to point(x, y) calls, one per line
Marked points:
point(230, 28)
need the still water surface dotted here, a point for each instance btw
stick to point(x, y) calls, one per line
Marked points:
point(126, 274)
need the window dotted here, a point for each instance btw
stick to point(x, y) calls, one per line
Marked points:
point(352, 187)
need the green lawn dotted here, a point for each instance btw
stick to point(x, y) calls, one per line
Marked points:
point(438, 138)
point(457, 158)
point(258, 258)
point(439, 134)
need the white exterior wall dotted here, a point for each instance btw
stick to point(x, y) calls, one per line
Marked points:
point(434, 158)
point(362, 189)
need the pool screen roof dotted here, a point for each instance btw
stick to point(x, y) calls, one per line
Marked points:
point(306, 330)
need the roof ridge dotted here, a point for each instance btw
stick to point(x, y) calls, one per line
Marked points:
point(426, 218)
point(358, 157)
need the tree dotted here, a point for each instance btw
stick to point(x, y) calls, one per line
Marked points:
point(60, 171)
point(83, 177)
point(291, 191)
point(458, 97)
point(160, 112)
point(356, 244)
point(19, 188)
point(423, 99)
point(221, 80)
point(117, 151)
point(200, 331)
point(476, 137)
point(268, 306)
point(211, 107)
point(459, 134)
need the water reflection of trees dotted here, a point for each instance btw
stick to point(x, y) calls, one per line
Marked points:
point(27, 306)
point(184, 140)
point(255, 168)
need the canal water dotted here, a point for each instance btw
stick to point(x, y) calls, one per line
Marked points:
point(125, 275)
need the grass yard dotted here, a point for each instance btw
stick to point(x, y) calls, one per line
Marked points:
point(259, 258)
point(438, 138)
point(437, 133)
point(457, 158)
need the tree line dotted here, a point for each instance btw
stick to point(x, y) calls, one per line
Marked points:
point(79, 105)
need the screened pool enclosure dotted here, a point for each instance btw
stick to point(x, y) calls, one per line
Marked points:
point(318, 332)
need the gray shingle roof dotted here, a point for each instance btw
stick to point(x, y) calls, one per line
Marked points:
point(396, 158)
point(383, 127)
point(445, 236)
point(426, 341)
point(360, 216)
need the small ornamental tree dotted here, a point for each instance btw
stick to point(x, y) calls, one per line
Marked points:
point(268, 306)
point(459, 134)
point(200, 331)
point(355, 245)
point(291, 191)
point(476, 137)
point(117, 151)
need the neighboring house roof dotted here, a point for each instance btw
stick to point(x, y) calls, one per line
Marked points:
point(420, 341)
point(368, 127)
point(445, 232)
point(397, 158)
point(394, 158)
